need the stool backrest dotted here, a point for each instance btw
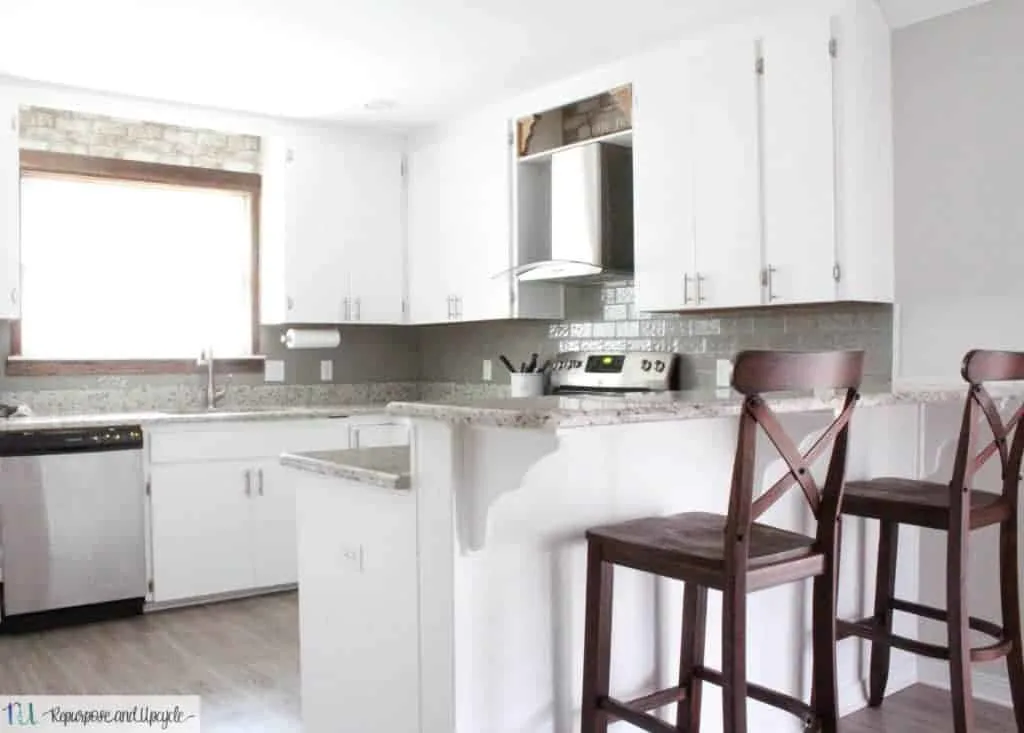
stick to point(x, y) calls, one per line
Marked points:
point(757, 373)
point(1007, 442)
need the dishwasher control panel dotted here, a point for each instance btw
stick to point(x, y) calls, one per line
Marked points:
point(42, 441)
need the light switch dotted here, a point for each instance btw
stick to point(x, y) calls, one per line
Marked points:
point(273, 370)
point(326, 370)
point(723, 374)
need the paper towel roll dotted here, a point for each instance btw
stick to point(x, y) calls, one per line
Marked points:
point(311, 338)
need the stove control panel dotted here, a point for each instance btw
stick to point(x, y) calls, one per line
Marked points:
point(602, 372)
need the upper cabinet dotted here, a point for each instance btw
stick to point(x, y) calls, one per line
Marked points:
point(332, 229)
point(764, 165)
point(460, 234)
point(10, 172)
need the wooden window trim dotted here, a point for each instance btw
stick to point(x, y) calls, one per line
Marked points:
point(84, 166)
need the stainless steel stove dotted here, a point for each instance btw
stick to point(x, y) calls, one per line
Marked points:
point(615, 372)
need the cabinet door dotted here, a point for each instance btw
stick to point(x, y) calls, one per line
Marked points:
point(428, 286)
point(315, 273)
point(799, 154)
point(273, 530)
point(10, 183)
point(201, 529)
point(373, 232)
point(475, 217)
point(663, 189)
point(726, 168)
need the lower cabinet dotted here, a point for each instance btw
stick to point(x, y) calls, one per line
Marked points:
point(202, 528)
point(222, 507)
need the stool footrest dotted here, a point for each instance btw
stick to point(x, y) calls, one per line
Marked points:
point(874, 631)
point(640, 719)
point(762, 694)
point(937, 614)
point(658, 699)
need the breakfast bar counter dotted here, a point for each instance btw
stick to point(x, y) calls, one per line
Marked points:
point(463, 595)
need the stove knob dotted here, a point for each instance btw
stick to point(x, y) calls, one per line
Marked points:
point(659, 366)
point(577, 364)
point(645, 365)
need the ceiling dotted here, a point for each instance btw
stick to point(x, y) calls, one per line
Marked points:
point(409, 61)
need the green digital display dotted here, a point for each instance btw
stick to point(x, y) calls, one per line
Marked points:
point(605, 363)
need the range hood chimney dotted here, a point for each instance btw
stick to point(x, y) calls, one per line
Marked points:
point(591, 216)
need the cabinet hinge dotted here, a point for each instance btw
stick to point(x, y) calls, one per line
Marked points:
point(404, 169)
point(149, 487)
point(759, 66)
point(511, 138)
point(833, 48)
point(151, 585)
point(837, 273)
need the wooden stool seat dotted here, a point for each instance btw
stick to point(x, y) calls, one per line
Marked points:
point(685, 546)
point(919, 503)
point(736, 555)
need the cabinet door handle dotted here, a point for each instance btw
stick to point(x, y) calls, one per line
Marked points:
point(259, 481)
point(458, 307)
point(686, 289)
point(451, 307)
point(770, 282)
point(358, 316)
point(347, 307)
point(248, 482)
point(14, 296)
point(700, 288)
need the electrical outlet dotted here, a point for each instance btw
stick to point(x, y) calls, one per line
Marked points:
point(273, 370)
point(723, 373)
point(326, 370)
point(487, 375)
point(352, 557)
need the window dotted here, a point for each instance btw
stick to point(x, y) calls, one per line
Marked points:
point(135, 261)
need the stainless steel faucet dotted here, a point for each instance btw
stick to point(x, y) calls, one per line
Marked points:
point(213, 395)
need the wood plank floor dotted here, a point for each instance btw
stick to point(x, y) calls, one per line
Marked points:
point(242, 657)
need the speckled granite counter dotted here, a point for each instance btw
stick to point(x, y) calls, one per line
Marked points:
point(387, 467)
point(228, 414)
point(596, 410)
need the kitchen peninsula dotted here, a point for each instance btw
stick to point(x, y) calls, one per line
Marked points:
point(454, 601)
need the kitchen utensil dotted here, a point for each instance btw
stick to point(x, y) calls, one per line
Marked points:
point(532, 366)
point(508, 365)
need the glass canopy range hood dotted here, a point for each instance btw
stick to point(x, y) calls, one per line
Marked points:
point(591, 216)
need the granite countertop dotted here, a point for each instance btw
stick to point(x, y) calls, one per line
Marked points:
point(188, 415)
point(387, 468)
point(560, 412)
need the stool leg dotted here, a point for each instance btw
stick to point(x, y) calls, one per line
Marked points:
point(885, 589)
point(957, 628)
point(695, 614)
point(1010, 584)
point(597, 639)
point(734, 659)
point(824, 687)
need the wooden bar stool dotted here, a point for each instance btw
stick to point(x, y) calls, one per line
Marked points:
point(733, 554)
point(957, 509)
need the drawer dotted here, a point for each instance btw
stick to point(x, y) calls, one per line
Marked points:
point(379, 435)
point(244, 440)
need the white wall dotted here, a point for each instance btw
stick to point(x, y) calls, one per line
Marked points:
point(959, 114)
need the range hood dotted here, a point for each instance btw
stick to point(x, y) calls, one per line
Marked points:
point(591, 216)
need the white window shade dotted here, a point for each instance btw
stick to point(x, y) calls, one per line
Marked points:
point(126, 270)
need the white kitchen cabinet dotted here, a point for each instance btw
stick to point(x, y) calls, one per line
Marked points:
point(10, 183)
point(222, 508)
point(663, 182)
point(799, 160)
point(727, 223)
point(274, 539)
point(697, 192)
point(332, 229)
point(460, 229)
point(201, 529)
